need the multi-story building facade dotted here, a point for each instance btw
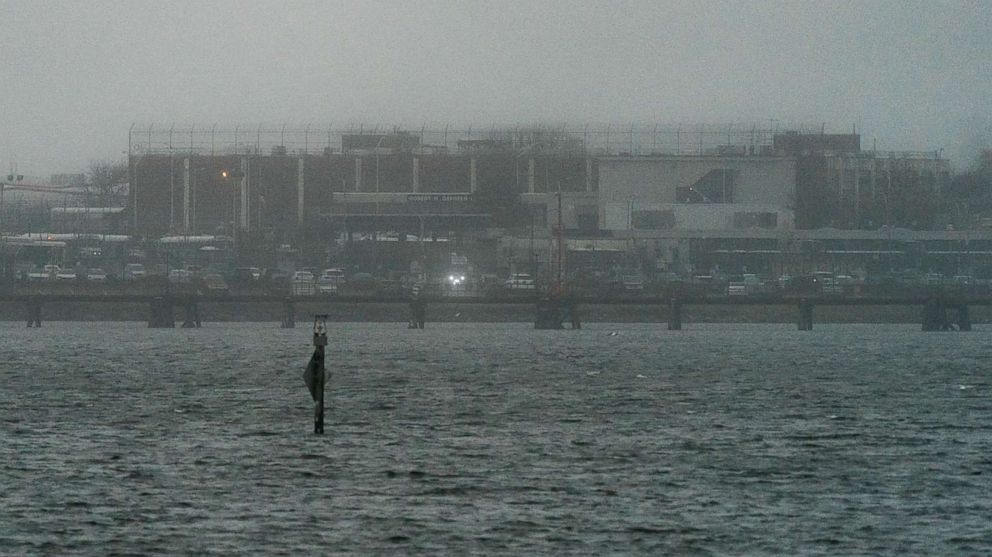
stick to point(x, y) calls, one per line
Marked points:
point(840, 186)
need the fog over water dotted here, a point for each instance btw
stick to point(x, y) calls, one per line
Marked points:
point(494, 437)
point(909, 75)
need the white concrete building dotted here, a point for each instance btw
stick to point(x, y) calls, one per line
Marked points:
point(710, 192)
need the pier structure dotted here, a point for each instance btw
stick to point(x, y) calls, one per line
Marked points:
point(192, 320)
point(418, 312)
point(936, 316)
point(938, 313)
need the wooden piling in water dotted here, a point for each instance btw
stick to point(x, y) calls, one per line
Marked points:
point(573, 312)
point(805, 315)
point(192, 320)
point(418, 313)
point(160, 313)
point(548, 314)
point(289, 314)
point(935, 315)
point(674, 314)
point(964, 318)
point(34, 312)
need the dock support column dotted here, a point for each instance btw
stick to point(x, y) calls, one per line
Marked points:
point(192, 320)
point(935, 316)
point(805, 315)
point(964, 319)
point(289, 314)
point(418, 314)
point(549, 314)
point(674, 314)
point(573, 314)
point(34, 312)
point(160, 314)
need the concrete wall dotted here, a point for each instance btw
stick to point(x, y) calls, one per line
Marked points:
point(283, 190)
point(574, 206)
point(624, 216)
point(761, 181)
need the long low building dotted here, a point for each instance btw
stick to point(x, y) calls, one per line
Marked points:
point(396, 182)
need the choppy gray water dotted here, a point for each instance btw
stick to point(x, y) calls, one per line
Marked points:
point(116, 439)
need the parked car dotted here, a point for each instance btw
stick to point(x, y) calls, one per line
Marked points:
point(737, 288)
point(633, 283)
point(826, 283)
point(330, 281)
point(302, 284)
point(520, 281)
point(96, 275)
point(326, 285)
point(241, 276)
point(48, 272)
point(214, 283)
point(335, 275)
point(180, 276)
point(933, 279)
point(134, 271)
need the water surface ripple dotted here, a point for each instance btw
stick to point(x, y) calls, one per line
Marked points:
point(496, 439)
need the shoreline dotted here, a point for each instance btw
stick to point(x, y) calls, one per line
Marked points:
point(474, 313)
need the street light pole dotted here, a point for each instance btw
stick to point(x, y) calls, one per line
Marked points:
point(227, 175)
point(12, 178)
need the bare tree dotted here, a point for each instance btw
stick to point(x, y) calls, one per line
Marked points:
point(106, 183)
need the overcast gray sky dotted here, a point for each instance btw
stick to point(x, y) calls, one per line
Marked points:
point(75, 75)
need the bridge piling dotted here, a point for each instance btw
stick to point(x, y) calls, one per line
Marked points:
point(573, 313)
point(289, 314)
point(674, 314)
point(34, 312)
point(964, 319)
point(418, 313)
point(160, 313)
point(805, 315)
point(551, 313)
point(935, 316)
point(192, 320)
point(547, 314)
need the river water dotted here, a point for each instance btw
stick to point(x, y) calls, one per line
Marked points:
point(496, 439)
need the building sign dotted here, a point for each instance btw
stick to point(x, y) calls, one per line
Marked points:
point(439, 197)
